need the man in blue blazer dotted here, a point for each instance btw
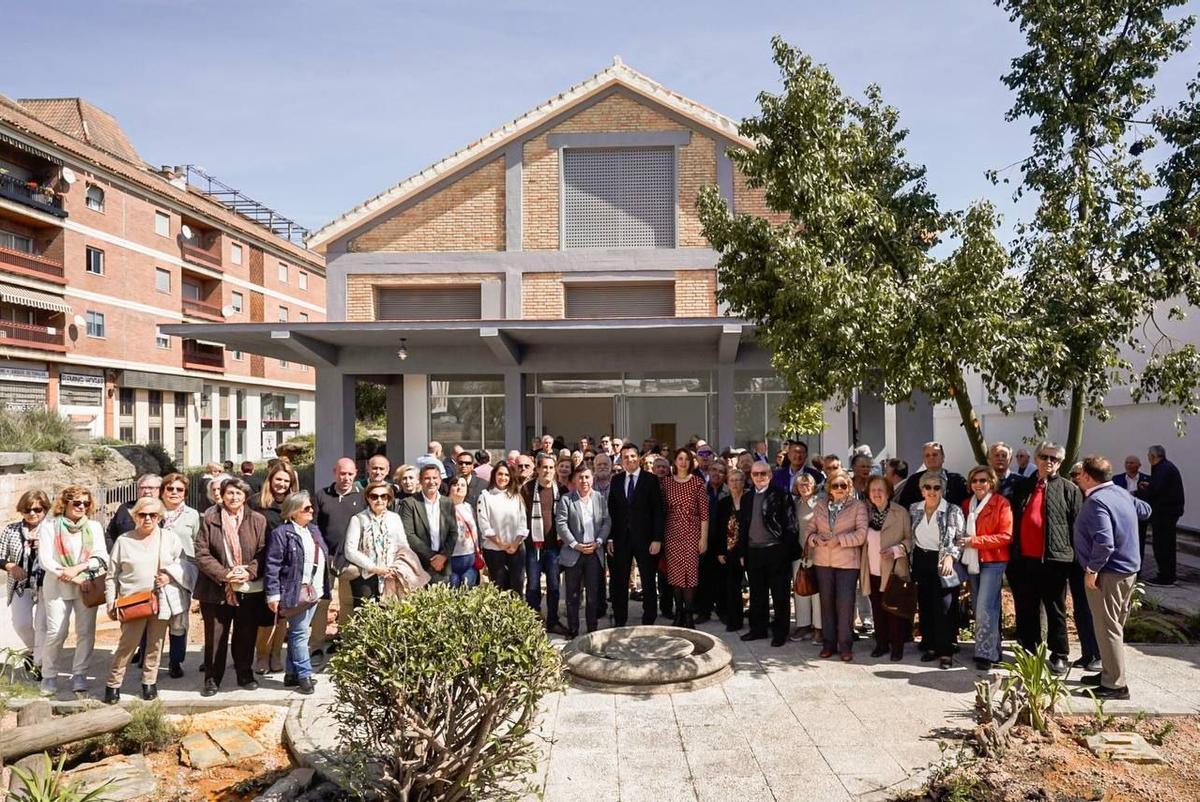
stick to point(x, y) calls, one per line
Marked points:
point(1135, 481)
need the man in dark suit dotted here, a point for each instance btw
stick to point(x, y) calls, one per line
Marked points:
point(429, 522)
point(934, 457)
point(639, 517)
point(767, 543)
point(476, 486)
point(1134, 481)
point(1164, 492)
point(797, 463)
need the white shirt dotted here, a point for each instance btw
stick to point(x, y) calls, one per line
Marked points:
point(927, 535)
point(589, 517)
point(434, 514)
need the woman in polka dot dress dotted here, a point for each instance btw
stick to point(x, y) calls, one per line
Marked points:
point(686, 532)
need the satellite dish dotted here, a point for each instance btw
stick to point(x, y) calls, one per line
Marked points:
point(79, 321)
point(186, 231)
point(227, 311)
point(68, 175)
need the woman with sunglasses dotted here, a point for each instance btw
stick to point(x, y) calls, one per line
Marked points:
point(146, 558)
point(19, 560)
point(373, 538)
point(75, 553)
point(281, 481)
point(463, 572)
point(295, 579)
point(938, 528)
point(989, 531)
point(184, 522)
point(835, 535)
point(229, 552)
point(502, 524)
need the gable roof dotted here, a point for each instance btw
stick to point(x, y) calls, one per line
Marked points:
point(616, 74)
point(76, 117)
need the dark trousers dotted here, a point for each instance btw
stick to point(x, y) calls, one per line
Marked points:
point(221, 621)
point(1164, 545)
point(710, 594)
point(839, 595)
point(937, 606)
point(1041, 585)
point(1081, 613)
point(584, 575)
point(889, 629)
point(363, 589)
point(769, 572)
point(666, 595)
point(541, 561)
point(734, 574)
point(620, 565)
point(1143, 526)
point(507, 571)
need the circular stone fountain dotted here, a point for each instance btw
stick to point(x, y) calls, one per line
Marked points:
point(647, 659)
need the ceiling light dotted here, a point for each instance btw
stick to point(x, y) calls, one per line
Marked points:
point(402, 354)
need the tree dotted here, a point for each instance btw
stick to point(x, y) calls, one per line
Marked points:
point(1098, 257)
point(845, 292)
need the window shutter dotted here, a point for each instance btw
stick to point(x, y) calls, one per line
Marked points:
point(619, 198)
point(429, 303)
point(620, 300)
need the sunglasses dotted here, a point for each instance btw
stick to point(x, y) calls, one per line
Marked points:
point(938, 488)
point(839, 486)
point(1050, 457)
point(147, 514)
point(309, 508)
point(175, 489)
point(376, 497)
point(760, 473)
point(981, 481)
point(79, 502)
point(35, 510)
point(466, 462)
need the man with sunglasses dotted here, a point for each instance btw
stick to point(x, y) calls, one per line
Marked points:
point(1045, 506)
point(465, 465)
point(148, 485)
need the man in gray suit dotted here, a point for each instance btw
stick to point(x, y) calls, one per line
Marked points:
point(582, 522)
point(429, 522)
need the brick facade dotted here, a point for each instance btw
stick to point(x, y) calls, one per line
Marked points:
point(542, 297)
point(751, 201)
point(361, 288)
point(695, 293)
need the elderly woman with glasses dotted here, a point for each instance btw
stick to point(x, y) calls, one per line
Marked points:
point(73, 554)
point(377, 544)
point(184, 522)
point(148, 558)
point(835, 536)
point(988, 532)
point(229, 552)
point(19, 545)
point(295, 579)
point(938, 529)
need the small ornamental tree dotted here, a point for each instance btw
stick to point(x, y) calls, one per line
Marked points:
point(438, 694)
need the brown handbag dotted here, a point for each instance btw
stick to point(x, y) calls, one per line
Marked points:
point(143, 604)
point(900, 595)
point(91, 591)
point(805, 583)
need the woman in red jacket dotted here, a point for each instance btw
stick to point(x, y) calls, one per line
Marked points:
point(985, 553)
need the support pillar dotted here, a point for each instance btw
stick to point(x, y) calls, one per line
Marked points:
point(214, 406)
point(725, 436)
point(254, 450)
point(871, 428)
point(836, 439)
point(514, 410)
point(914, 428)
point(395, 420)
point(335, 420)
point(416, 415)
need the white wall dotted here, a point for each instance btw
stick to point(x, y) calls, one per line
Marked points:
point(416, 416)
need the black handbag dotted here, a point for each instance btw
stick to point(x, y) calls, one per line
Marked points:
point(900, 596)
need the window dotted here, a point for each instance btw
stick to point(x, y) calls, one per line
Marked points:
point(237, 355)
point(468, 410)
point(162, 280)
point(126, 434)
point(283, 272)
point(181, 405)
point(283, 363)
point(155, 399)
point(280, 407)
point(94, 198)
point(429, 303)
point(636, 299)
point(161, 340)
point(95, 324)
point(95, 261)
point(15, 242)
point(618, 198)
point(302, 280)
point(192, 290)
point(126, 403)
point(155, 435)
point(162, 224)
point(283, 313)
point(235, 300)
point(235, 253)
point(304, 317)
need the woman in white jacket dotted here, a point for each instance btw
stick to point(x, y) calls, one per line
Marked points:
point(501, 515)
point(377, 545)
point(75, 554)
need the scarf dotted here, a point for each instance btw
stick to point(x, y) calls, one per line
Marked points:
point(171, 517)
point(537, 529)
point(466, 526)
point(877, 518)
point(379, 537)
point(970, 555)
point(81, 530)
point(834, 509)
point(233, 548)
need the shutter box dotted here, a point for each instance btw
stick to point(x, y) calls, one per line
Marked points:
point(638, 300)
point(429, 303)
point(618, 197)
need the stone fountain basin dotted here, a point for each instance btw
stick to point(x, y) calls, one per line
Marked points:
point(647, 659)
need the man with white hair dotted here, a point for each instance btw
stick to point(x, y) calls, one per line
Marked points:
point(1164, 491)
point(433, 457)
point(1025, 466)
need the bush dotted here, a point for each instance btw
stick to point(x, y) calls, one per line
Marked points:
point(438, 693)
point(48, 783)
point(36, 430)
point(165, 463)
point(147, 731)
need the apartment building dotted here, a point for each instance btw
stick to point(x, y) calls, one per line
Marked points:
point(99, 251)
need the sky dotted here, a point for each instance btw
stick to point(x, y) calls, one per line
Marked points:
point(313, 107)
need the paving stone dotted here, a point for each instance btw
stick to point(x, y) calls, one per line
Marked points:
point(201, 752)
point(573, 791)
point(711, 764)
point(236, 743)
point(724, 789)
point(127, 777)
point(657, 791)
point(808, 787)
point(1125, 746)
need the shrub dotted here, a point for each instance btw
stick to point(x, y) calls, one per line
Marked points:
point(48, 783)
point(1031, 690)
point(165, 463)
point(36, 430)
point(147, 731)
point(438, 693)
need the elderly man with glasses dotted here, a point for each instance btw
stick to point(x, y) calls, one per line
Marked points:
point(465, 463)
point(1045, 506)
point(148, 486)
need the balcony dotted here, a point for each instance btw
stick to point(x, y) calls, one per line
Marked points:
point(25, 335)
point(202, 357)
point(193, 308)
point(32, 265)
point(31, 194)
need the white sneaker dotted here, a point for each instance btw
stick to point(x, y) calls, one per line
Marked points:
point(49, 687)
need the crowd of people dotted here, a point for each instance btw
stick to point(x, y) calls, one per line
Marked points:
point(827, 553)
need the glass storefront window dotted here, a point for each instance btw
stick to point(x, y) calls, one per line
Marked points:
point(744, 382)
point(467, 411)
point(598, 383)
point(467, 385)
point(637, 383)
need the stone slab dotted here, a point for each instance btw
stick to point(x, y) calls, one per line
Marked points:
point(1128, 747)
point(127, 777)
point(236, 743)
point(201, 752)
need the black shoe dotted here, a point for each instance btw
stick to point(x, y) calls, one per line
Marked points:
point(210, 688)
point(112, 696)
point(304, 685)
point(331, 648)
point(1102, 692)
point(732, 627)
point(249, 685)
point(149, 692)
point(928, 657)
point(176, 671)
point(635, 595)
point(778, 641)
point(1161, 582)
point(879, 651)
point(945, 662)
point(572, 634)
point(556, 628)
point(1091, 679)
point(896, 657)
point(290, 680)
point(982, 664)
point(701, 619)
point(1087, 663)
point(1058, 666)
point(752, 635)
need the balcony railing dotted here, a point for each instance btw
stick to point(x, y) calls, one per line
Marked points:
point(196, 308)
point(199, 256)
point(14, 189)
point(204, 360)
point(25, 334)
point(32, 265)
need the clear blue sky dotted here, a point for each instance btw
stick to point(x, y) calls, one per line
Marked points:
point(311, 107)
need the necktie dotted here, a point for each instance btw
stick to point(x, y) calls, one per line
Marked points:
point(629, 489)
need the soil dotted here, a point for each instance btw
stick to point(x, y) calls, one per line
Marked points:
point(1062, 770)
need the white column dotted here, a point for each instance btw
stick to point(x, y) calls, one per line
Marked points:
point(416, 415)
point(836, 438)
point(191, 439)
point(308, 413)
point(254, 425)
point(168, 424)
point(141, 416)
point(214, 405)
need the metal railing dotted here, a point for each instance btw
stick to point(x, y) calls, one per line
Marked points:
point(30, 262)
point(31, 194)
point(191, 306)
point(204, 358)
point(26, 333)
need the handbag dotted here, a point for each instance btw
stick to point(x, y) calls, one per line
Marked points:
point(306, 599)
point(900, 596)
point(805, 583)
point(143, 604)
point(91, 591)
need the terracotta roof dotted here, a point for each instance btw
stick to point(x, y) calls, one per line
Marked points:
point(76, 117)
point(617, 73)
point(16, 115)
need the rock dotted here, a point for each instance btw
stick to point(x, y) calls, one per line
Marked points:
point(288, 787)
point(325, 792)
point(128, 777)
point(203, 750)
point(35, 765)
point(37, 711)
point(1125, 746)
point(235, 743)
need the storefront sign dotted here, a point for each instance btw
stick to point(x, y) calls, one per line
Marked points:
point(80, 379)
point(9, 373)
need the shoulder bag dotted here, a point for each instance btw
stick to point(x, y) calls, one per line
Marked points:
point(900, 595)
point(805, 583)
point(144, 603)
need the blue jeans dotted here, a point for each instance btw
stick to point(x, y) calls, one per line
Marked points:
point(540, 561)
point(462, 571)
point(985, 591)
point(298, 660)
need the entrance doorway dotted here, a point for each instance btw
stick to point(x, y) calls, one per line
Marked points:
point(577, 416)
point(670, 419)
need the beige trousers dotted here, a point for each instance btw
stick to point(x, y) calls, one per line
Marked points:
point(131, 637)
point(1110, 604)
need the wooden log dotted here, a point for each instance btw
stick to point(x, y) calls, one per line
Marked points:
point(56, 732)
point(35, 712)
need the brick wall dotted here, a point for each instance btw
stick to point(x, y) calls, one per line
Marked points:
point(695, 293)
point(751, 201)
point(542, 296)
point(466, 215)
point(360, 288)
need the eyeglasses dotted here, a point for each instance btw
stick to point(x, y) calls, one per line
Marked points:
point(147, 515)
point(937, 488)
point(376, 497)
point(79, 502)
point(35, 511)
point(309, 508)
point(838, 486)
point(982, 480)
point(764, 473)
point(1050, 457)
point(524, 466)
point(466, 462)
point(175, 489)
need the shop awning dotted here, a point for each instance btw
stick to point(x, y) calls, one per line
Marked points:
point(23, 296)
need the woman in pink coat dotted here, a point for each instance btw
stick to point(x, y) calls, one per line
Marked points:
point(835, 535)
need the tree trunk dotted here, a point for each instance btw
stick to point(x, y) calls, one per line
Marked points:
point(966, 412)
point(40, 737)
point(1074, 428)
